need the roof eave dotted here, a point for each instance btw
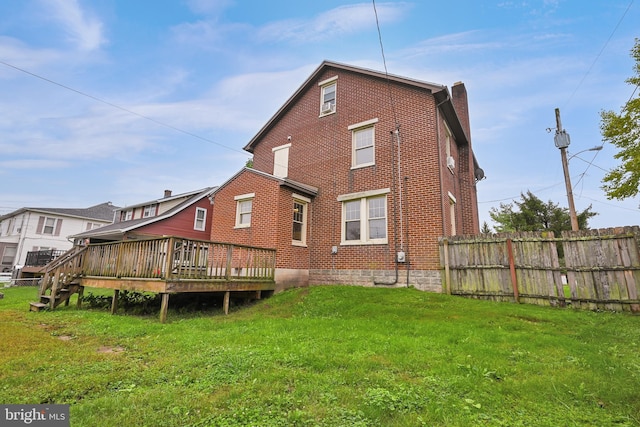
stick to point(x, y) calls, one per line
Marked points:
point(431, 87)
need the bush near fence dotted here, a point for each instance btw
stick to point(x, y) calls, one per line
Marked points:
point(602, 268)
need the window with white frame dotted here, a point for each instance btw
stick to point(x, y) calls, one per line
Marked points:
point(452, 214)
point(126, 215)
point(299, 231)
point(200, 221)
point(281, 160)
point(451, 163)
point(364, 217)
point(49, 226)
point(328, 96)
point(9, 255)
point(149, 211)
point(363, 143)
point(244, 207)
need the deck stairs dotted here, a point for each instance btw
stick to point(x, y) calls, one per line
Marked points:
point(61, 279)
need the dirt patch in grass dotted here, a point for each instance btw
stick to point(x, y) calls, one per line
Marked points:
point(105, 349)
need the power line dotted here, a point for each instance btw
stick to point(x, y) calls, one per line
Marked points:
point(600, 53)
point(119, 107)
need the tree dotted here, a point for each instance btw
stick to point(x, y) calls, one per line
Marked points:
point(623, 131)
point(249, 163)
point(485, 228)
point(532, 214)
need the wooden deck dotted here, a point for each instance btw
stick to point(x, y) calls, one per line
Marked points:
point(166, 265)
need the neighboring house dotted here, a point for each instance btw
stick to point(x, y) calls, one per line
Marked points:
point(354, 179)
point(46, 229)
point(184, 215)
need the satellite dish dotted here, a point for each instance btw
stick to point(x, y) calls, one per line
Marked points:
point(479, 174)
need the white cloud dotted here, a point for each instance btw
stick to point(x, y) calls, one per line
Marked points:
point(83, 29)
point(17, 53)
point(333, 23)
point(208, 7)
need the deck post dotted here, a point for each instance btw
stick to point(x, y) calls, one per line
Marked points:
point(114, 301)
point(227, 294)
point(164, 306)
point(80, 295)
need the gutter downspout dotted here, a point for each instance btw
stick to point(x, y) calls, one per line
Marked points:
point(395, 219)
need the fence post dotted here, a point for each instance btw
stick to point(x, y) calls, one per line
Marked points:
point(512, 268)
point(447, 272)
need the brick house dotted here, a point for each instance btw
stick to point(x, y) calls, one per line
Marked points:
point(354, 179)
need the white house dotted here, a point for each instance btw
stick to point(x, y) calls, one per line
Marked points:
point(36, 229)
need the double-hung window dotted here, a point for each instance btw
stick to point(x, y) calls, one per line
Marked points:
point(49, 226)
point(244, 207)
point(328, 96)
point(200, 221)
point(149, 211)
point(364, 217)
point(299, 230)
point(363, 144)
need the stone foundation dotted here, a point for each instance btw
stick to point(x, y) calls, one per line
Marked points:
point(424, 280)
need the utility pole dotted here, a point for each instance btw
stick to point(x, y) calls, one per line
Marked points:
point(562, 141)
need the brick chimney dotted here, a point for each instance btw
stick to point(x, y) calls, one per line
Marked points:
point(461, 104)
point(167, 193)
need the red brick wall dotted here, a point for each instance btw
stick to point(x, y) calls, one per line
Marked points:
point(320, 155)
point(271, 218)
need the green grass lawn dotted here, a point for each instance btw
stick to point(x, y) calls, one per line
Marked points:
point(326, 356)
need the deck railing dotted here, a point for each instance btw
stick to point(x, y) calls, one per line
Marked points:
point(41, 258)
point(175, 258)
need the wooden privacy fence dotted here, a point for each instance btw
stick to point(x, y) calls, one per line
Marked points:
point(600, 269)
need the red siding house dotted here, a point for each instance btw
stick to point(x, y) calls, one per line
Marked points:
point(354, 179)
point(185, 215)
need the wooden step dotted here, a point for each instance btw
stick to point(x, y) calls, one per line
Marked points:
point(37, 306)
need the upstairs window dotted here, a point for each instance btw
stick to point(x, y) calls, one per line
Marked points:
point(363, 144)
point(126, 215)
point(281, 160)
point(149, 211)
point(244, 207)
point(48, 225)
point(200, 221)
point(328, 96)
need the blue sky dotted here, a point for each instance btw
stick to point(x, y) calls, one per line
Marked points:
point(186, 84)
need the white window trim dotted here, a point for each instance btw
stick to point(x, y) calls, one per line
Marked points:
point(359, 127)
point(363, 196)
point(447, 147)
point(277, 168)
point(327, 81)
point(204, 220)
point(149, 211)
point(452, 214)
point(323, 84)
point(53, 227)
point(363, 124)
point(239, 199)
point(303, 201)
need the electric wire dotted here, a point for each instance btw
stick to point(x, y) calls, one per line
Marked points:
point(397, 125)
point(119, 107)
point(599, 53)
